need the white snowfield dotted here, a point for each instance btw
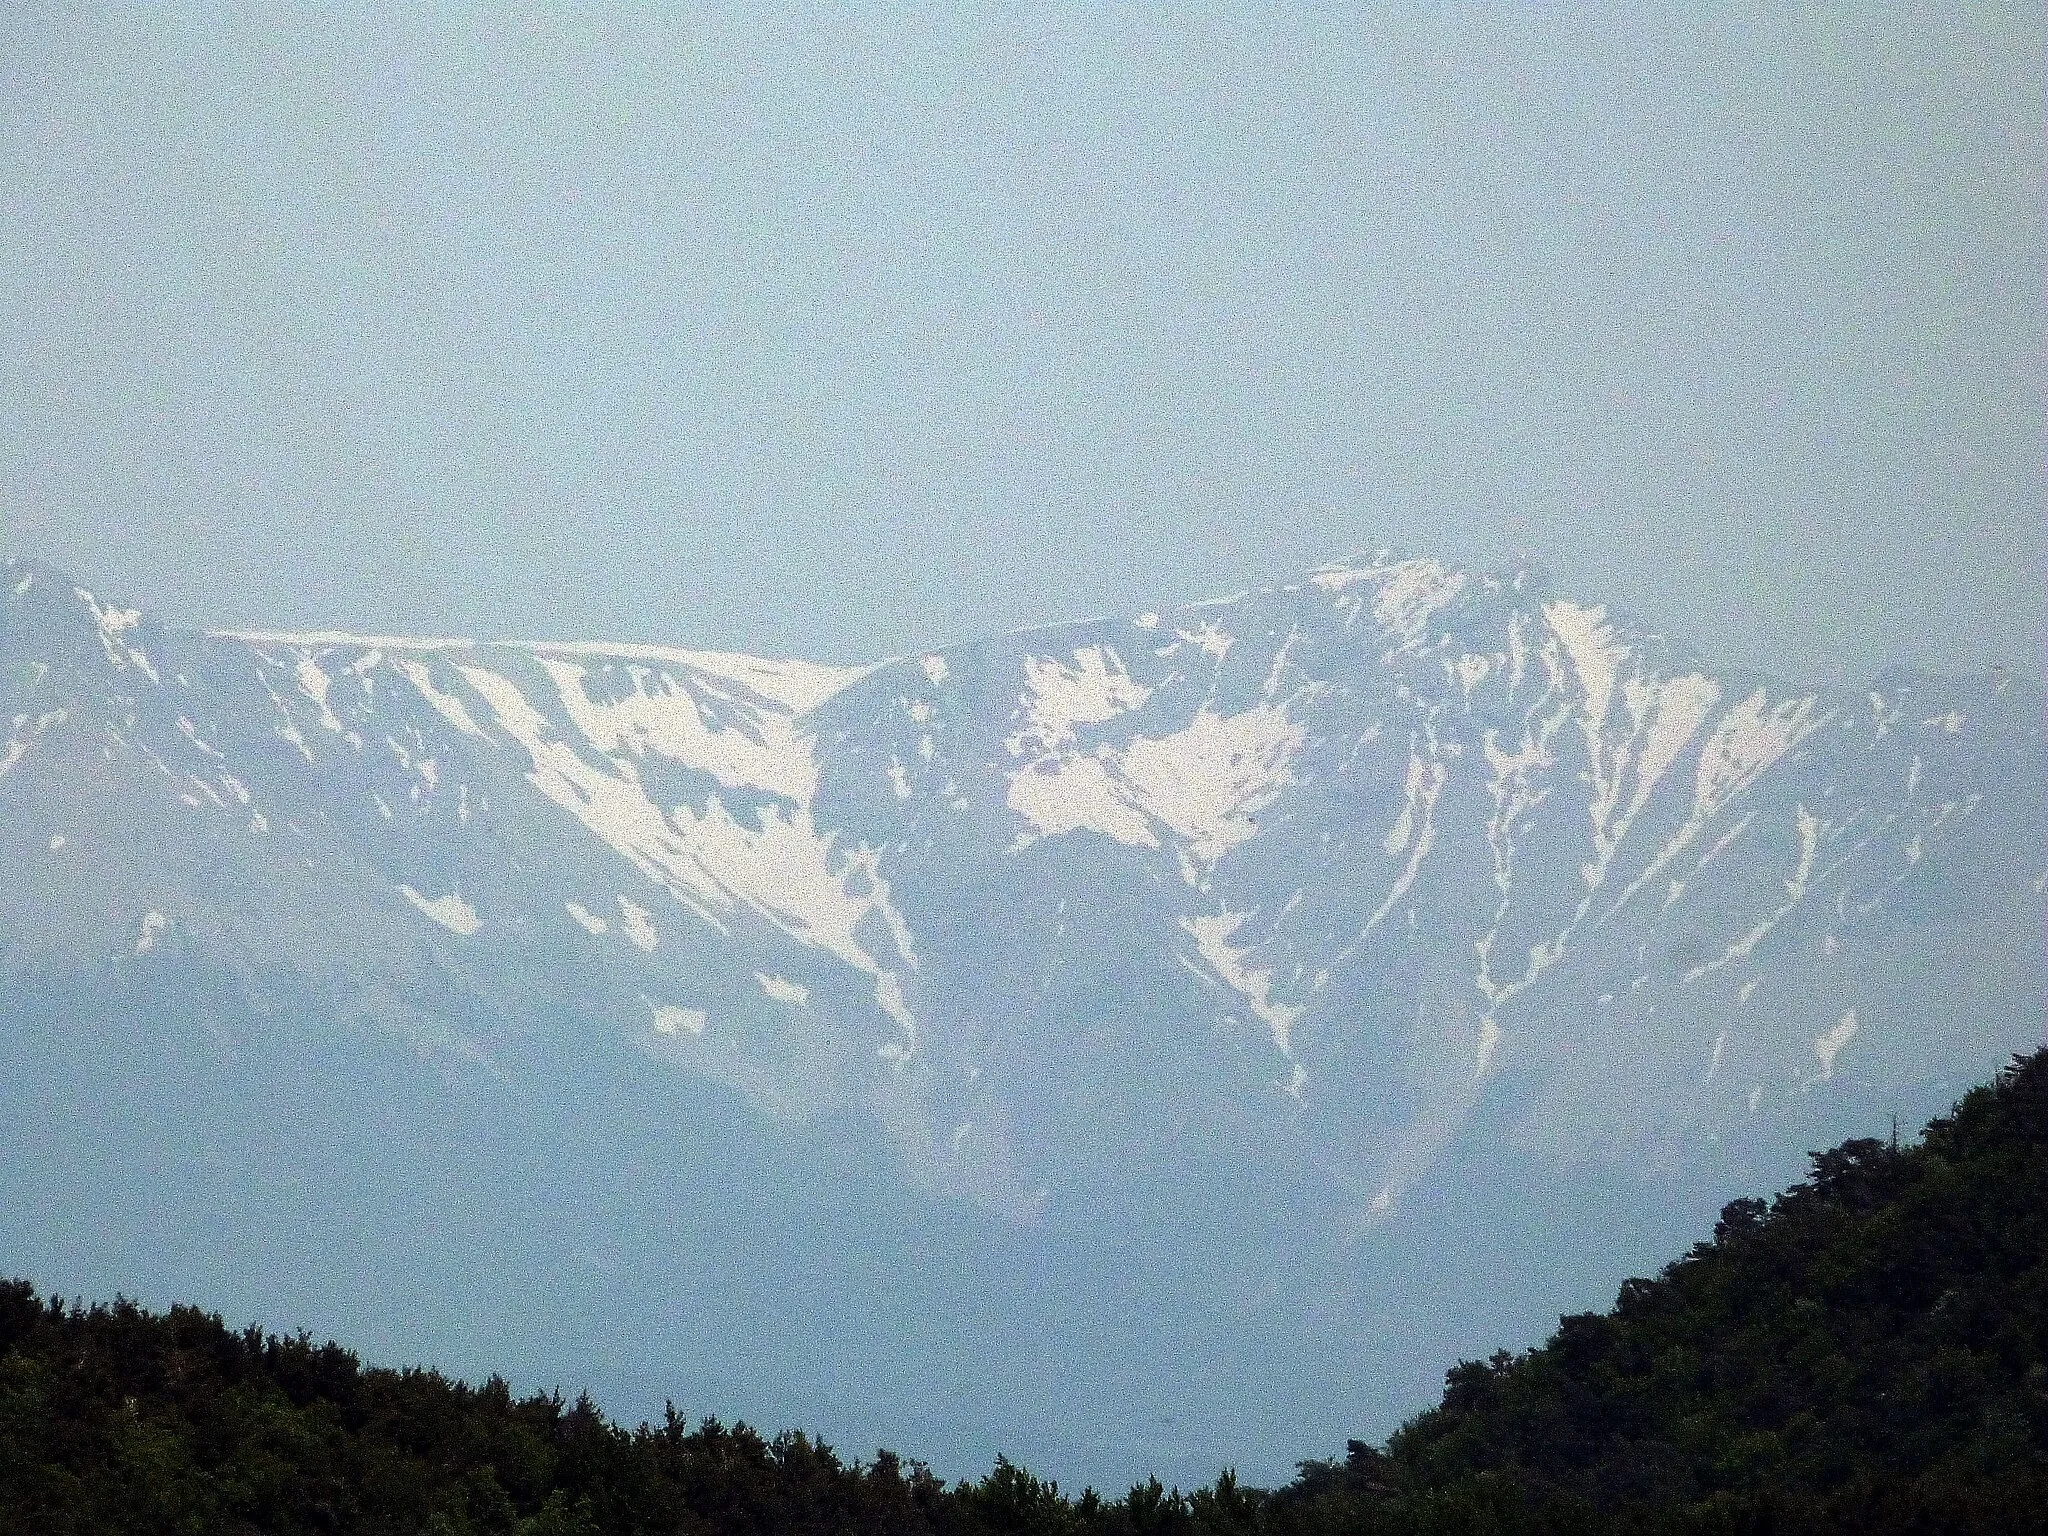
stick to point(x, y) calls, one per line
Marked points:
point(1396, 805)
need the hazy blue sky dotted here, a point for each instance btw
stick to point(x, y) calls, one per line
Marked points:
point(840, 334)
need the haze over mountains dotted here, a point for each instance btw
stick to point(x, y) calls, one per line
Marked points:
point(1124, 1044)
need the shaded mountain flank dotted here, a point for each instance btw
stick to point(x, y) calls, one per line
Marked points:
point(1867, 1352)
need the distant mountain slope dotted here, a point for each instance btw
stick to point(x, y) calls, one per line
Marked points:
point(1350, 921)
point(1868, 1353)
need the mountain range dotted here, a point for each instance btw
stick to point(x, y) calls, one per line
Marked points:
point(1121, 1043)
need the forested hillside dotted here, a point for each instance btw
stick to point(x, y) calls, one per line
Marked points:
point(1867, 1352)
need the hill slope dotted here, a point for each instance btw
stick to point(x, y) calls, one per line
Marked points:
point(1867, 1352)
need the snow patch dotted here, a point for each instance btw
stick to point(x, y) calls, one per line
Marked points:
point(1208, 639)
point(1663, 719)
point(1514, 794)
point(314, 684)
point(1596, 656)
point(1424, 784)
point(1470, 672)
point(1208, 781)
point(1204, 783)
point(586, 919)
point(639, 925)
point(1078, 794)
point(153, 926)
point(791, 687)
point(1829, 1045)
point(1808, 827)
point(782, 989)
point(773, 861)
point(1212, 936)
point(1057, 697)
point(449, 707)
point(759, 749)
point(450, 911)
point(673, 1021)
point(114, 623)
point(1747, 740)
point(1489, 1042)
point(299, 639)
point(1410, 591)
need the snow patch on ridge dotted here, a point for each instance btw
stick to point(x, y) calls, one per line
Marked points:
point(1409, 591)
point(1208, 781)
point(1058, 698)
point(782, 989)
point(1808, 827)
point(1596, 656)
point(796, 687)
point(449, 707)
point(669, 1020)
point(314, 683)
point(450, 911)
point(639, 925)
point(1204, 783)
point(1829, 1045)
point(1208, 639)
point(23, 733)
point(113, 624)
point(1078, 794)
point(1425, 782)
point(774, 862)
point(761, 749)
point(1212, 935)
point(1746, 741)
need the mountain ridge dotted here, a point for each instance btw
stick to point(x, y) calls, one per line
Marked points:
point(1199, 788)
point(1293, 908)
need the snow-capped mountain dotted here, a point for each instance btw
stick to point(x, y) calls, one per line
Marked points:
point(1321, 901)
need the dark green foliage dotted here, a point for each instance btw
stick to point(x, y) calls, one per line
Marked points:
point(112, 1419)
point(1867, 1353)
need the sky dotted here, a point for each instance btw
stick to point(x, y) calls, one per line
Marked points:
point(843, 333)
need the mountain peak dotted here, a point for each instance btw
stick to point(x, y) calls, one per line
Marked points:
point(1320, 910)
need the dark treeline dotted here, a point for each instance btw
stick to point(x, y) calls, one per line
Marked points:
point(1865, 1353)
